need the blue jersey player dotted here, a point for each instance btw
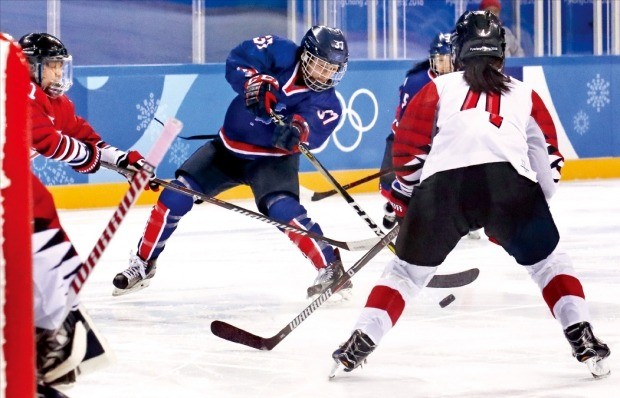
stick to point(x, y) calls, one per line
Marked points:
point(270, 75)
point(439, 62)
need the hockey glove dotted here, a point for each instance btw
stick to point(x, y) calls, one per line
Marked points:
point(399, 202)
point(92, 160)
point(260, 97)
point(131, 160)
point(289, 134)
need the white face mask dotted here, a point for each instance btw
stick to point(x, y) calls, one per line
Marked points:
point(319, 74)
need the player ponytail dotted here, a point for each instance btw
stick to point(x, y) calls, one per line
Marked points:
point(483, 74)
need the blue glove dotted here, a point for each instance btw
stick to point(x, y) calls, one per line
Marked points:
point(290, 133)
point(260, 97)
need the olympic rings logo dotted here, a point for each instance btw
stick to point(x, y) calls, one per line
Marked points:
point(354, 118)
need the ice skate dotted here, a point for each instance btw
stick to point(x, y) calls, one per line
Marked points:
point(389, 219)
point(588, 349)
point(327, 276)
point(352, 353)
point(136, 277)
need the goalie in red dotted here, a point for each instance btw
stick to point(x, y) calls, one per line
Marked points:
point(66, 344)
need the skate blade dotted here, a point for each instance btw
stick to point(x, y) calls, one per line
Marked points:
point(138, 286)
point(340, 296)
point(598, 368)
point(336, 369)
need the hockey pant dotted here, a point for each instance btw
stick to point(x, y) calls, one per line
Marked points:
point(172, 206)
point(55, 261)
point(402, 281)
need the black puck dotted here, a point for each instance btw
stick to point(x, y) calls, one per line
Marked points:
point(447, 301)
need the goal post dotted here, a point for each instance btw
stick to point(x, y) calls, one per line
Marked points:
point(17, 356)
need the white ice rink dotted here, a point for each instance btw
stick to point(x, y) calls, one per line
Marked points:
point(498, 339)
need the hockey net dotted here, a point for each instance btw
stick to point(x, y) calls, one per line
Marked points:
point(17, 368)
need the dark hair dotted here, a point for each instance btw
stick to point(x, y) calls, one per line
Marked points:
point(420, 66)
point(483, 75)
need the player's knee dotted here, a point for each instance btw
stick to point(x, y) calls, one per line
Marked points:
point(176, 201)
point(283, 207)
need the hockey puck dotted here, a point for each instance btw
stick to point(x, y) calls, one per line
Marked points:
point(447, 301)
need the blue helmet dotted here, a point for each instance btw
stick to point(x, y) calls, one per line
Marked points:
point(440, 54)
point(441, 44)
point(324, 57)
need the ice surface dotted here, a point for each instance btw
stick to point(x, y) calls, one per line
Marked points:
point(498, 339)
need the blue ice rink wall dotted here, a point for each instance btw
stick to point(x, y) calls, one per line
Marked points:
point(121, 103)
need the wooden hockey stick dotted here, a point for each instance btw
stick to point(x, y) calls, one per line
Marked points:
point(363, 244)
point(232, 333)
point(438, 281)
point(139, 180)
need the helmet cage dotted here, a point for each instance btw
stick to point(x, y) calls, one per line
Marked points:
point(319, 74)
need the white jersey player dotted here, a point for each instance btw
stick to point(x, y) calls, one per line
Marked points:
point(474, 132)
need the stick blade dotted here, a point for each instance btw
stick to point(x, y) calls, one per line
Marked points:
point(232, 333)
point(454, 280)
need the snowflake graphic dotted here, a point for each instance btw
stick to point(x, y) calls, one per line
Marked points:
point(51, 172)
point(598, 93)
point(581, 123)
point(147, 110)
point(179, 152)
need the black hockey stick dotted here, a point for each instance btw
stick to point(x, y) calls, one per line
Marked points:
point(316, 196)
point(232, 333)
point(438, 281)
point(363, 244)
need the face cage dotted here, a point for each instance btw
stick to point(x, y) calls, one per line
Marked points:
point(319, 74)
point(55, 89)
point(435, 64)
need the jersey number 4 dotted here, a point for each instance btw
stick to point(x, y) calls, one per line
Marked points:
point(492, 106)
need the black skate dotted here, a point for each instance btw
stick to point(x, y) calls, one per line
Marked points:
point(389, 219)
point(353, 352)
point(136, 277)
point(588, 349)
point(327, 276)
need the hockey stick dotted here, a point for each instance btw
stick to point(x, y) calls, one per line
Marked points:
point(232, 333)
point(139, 180)
point(364, 244)
point(316, 196)
point(438, 281)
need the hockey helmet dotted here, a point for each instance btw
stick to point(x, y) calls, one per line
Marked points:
point(46, 51)
point(440, 54)
point(478, 33)
point(324, 57)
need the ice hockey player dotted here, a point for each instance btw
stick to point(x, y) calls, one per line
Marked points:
point(481, 124)
point(66, 344)
point(270, 75)
point(439, 62)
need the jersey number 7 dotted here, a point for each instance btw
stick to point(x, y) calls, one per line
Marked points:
point(492, 106)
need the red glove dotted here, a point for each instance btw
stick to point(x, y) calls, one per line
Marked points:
point(289, 134)
point(133, 160)
point(260, 97)
point(92, 162)
point(399, 202)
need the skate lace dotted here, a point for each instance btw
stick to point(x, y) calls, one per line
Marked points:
point(136, 270)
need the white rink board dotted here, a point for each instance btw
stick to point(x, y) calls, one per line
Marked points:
point(498, 339)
